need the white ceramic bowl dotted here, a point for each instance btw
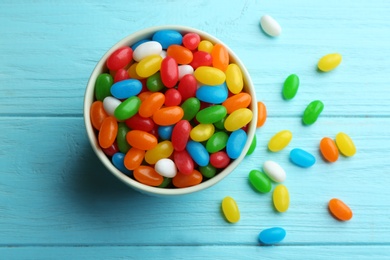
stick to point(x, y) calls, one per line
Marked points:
point(90, 98)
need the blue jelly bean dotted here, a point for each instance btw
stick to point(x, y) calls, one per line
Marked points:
point(236, 143)
point(135, 45)
point(167, 38)
point(198, 153)
point(118, 161)
point(165, 132)
point(212, 94)
point(302, 158)
point(126, 88)
point(272, 236)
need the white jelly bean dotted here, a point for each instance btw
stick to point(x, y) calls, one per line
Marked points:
point(270, 26)
point(184, 70)
point(274, 171)
point(166, 167)
point(163, 54)
point(110, 104)
point(146, 49)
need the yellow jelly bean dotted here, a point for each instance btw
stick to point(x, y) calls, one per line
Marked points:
point(329, 62)
point(345, 144)
point(209, 75)
point(234, 80)
point(202, 132)
point(279, 141)
point(206, 46)
point(281, 198)
point(239, 118)
point(149, 65)
point(132, 71)
point(162, 150)
point(230, 210)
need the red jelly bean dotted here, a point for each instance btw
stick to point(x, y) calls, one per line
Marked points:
point(201, 58)
point(219, 159)
point(120, 75)
point(172, 97)
point(138, 122)
point(187, 87)
point(108, 131)
point(180, 135)
point(168, 115)
point(120, 58)
point(191, 41)
point(181, 54)
point(141, 139)
point(183, 161)
point(151, 104)
point(110, 151)
point(169, 72)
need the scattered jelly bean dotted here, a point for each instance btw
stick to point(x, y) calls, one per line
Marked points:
point(151, 104)
point(230, 209)
point(97, 114)
point(127, 108)
point(190, 107)
point(187, 180)
point(149, 48)
point(168, 115)
point(169, 72)
point(238, 119)
point(302, 158)
point(119, 58)
point(118, 161)
point(147, 175)
point(241, 100)
point(183, 161)
point(274, 171)
point(280, 140)
point(290, 86)
point(120, 75)
point(281, 198)
point(166, 167)
point(191, 41)
point(270, 26)
point(141, 139)
point(162, 150)
point(103, 85)
point(220, 57)
point(219, 160)
point(180, 135)
point(217, 142)
point(108, 132)
point(187, 87)
point(329, 149)
point(329, 62)
point(134, 158)
point(261, 114)
point(202, 132)
point(211, 114)
point(167, 38)
point(123, 145)
point(212, 94)
point(312, 112)
point(166, 182)
point(181, 54)
point(236, 143)
point(206, 46)
point(260, 181)
point(172, 97)
point(185, 70)
point(126, 88)
point(272, 236)
point(198, 153)
point(345, 144)
point(165, 132)
point(201, 58)
point(253, 146)
point(339, 210)
point(209, 75)
point(208, 171)
point(149, 65)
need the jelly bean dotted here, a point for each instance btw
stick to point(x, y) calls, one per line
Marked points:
point(345, 144)
point(167, 38)
point(154, 82)
point(206, 46)
point(281, 198)
point(208, 171)
point(148, 176)
point(132, 70)
point(191, 41)
point(138, 122)
point(211, 114)
point(290, 86)
point(123, 145)
point(329, 149)
point(119, 58)
point(183, 161)
point(144, 95)
point(187, 180)
point(280, 140)
point(120, 75)
point(217, 142)
point(253, 146)
point(187, 87)
point(152, 104)
point(274, 171)
point(97, 114)
point(180, 135)
point(241, 100)
point(166, 167)
point(272, 236)
point(201, 58)
point(165, 132)
point(102, 86)
point(198, 153)
point(185, 70)
point(168, 115)
point(220, 124)
point(329, 62)
point(141, 139)
point(134, 158)
point(302, 158)
point(209, 75)
point(135, 45)
point(261, 114)
point(270, 26)
point(126, 88)
point(118, 161)
point(202, 132)
point(163, 149)
point(339, 210)
point(312, 112)
point(234, 79)
point(219, 159)
point(149, 65)
point(181, 54)
point(172, 97)
point(127, 108)
point(236, 143)
point(212, 94)
point(190, 107)
point(169, 72)
point(108, 131)
point(111, 150)
point(149, 48)
point(220, 56)
point(166, 182)
point(239, 118)
point(260, 181)
point(110, 104)
point(163, 54)
point(230, 210)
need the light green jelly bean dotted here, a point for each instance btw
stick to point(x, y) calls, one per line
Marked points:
point(217, 142)
point(103, 85)
point(208, 171)
point(127, 108)
point(210, 115)
point(290, 87)
point(154, 82)
point(190, 107)
point(260, 181)
point(123, 145)
point(166, 182)
point(312, 112)
point(253, 146)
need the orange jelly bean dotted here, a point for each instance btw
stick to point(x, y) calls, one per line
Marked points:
point(220, 57)
point(97, 114)
point(187, 180)
point(132, 71)
point(144, 95)
point(241, 100)
point(134, 158)
point(261, 114)
point(141, 139)
point(147, 175)
point(168, 115)
point(181, 54)
point(151, 104)
point(329, 149)
point(108, 132)
point(339, 210)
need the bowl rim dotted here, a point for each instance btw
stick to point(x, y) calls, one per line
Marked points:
point(89, 99)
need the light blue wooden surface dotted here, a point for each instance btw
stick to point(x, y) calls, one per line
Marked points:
point(57, 201)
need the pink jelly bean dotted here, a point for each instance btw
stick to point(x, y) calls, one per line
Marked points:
point(172, 97)
point(120, 75)
point(169, 72)
point(120, 58)
point(219, 159)
point(201, 58)
point(138, 122)
point(187, 87)
point(180, 135)
point(191, 41)
point(183, 161)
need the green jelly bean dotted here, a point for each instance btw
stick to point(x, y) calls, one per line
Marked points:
point(220, 124)
point(127, 108)
point(217, 142)
point(154, 82)
point(290, 87)
point(103, 85)
point(253, 146)
point(312, 112)
point(208, 171)
point(123, 145)
point(211, 114)
point(190, 107)
point(260, 181)
point(166, 182)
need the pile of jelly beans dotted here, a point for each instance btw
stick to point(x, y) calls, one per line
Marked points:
point(171, 111)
